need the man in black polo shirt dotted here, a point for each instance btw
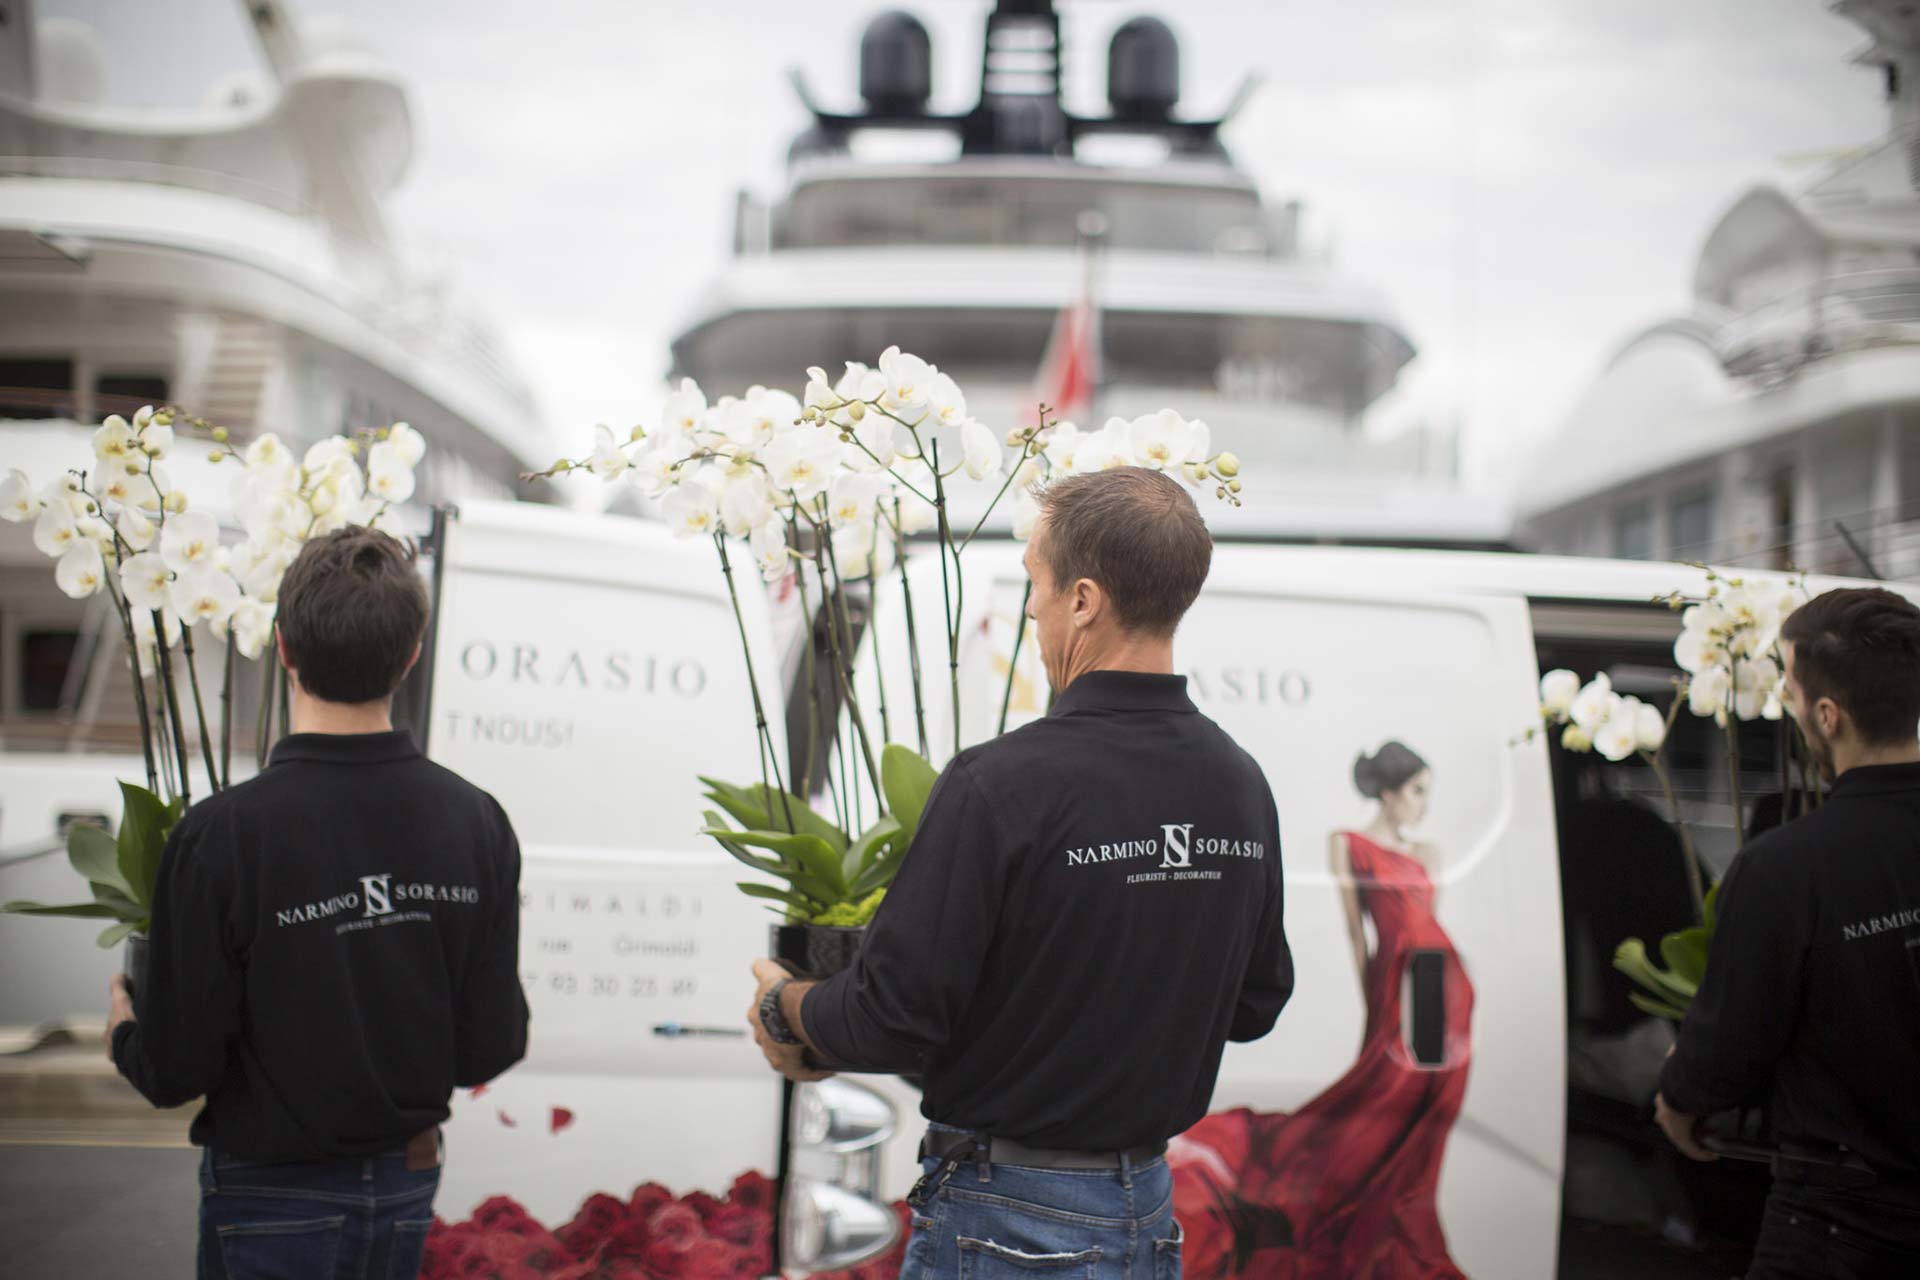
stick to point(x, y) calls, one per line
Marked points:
point(334, 950)
point(1811, 1002)
point(1091, 908)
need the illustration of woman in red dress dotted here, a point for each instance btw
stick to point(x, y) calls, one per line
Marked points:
point(1344, 1188)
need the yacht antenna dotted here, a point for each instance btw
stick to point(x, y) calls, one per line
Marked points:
point(1021, 110)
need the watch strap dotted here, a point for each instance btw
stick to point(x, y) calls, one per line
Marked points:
point(773, 1018)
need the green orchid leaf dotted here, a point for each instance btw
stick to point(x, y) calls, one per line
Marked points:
point(144, 823)
point(873, 842)
point(1657, 1008)
point(764, 808)
point(128, 909)
point(722, 834)
point(780, 805)
point(1709, 907)
point(1686, 953)
point(908, 780)
point(881, 873)
point(739, 806)
point(113, 935)
point(96, 856)
point(1631, 959)
point(794, 874)
point(807, 853)
point(796, 901)
point(79, 910)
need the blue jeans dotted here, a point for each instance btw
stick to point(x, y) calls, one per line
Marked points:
point(1819, 1232)
point(358, 1218)
point(1005, 1222)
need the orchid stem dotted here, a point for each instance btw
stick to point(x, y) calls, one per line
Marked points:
point(1695, 889)
point(1013, 663)
point(1733, 779)
point(762, 734)
point(873, 627)
point(842, 661)
point(263, 724)
point(226, 716)
point(949, 597)
point(139, 686)
point(199, 709)
point(1026, 451)
point(813, 681)
point(172, 694)
point(913, 638)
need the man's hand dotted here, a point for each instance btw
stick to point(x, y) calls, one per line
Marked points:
point(788, 1059)
point(119, 1007)
point(1679, 1127)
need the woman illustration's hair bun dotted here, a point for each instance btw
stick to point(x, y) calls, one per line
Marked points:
point(1390, 768)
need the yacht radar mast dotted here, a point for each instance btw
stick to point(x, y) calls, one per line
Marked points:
point(1021, 110)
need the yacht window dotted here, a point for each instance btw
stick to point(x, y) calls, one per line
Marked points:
point(1780, 507)
point(1690, 524)
point(1843, 476)
point(1633, 531)
point(46, 656)
point(124, 393)
point(36, 387)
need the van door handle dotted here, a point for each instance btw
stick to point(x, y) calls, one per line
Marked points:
point(1426, 997)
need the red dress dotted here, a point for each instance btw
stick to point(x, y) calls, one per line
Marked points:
point(1342, 1189)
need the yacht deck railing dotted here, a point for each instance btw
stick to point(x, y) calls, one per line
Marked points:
point(1849, 312)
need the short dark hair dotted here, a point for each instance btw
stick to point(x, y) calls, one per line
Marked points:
point(352, 608)
point(1390, 768)
point(1860, 646)
point(1135, 532)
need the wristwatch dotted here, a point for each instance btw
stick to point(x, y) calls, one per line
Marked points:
point(772, 1018)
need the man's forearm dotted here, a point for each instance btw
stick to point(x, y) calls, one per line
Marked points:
point(1699, 1087)
point(130, 1058)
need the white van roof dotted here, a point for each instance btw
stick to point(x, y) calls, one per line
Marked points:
point(1537, 577)
point(1571, 579)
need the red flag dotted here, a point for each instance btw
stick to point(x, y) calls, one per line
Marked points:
point(1070, 370)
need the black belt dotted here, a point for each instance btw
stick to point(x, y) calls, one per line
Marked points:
point(942, 1144)
point(1823, 1167)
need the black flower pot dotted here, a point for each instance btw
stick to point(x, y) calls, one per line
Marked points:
point(816, 951)
point(134, 961)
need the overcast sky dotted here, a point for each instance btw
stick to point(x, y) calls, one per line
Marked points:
point(1526, 180)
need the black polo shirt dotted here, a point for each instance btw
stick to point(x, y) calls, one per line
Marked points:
point(334, 949)
point(1090, 909)
point(1811, 1001)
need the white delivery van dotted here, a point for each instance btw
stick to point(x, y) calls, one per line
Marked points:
point(585, 669)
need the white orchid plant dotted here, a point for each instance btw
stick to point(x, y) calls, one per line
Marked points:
point(121, 528)
point(833, 487)
point(1733, 672)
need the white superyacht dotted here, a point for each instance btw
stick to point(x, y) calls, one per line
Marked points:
point(964, 236)
point(1776, 422)
point(236, 259)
